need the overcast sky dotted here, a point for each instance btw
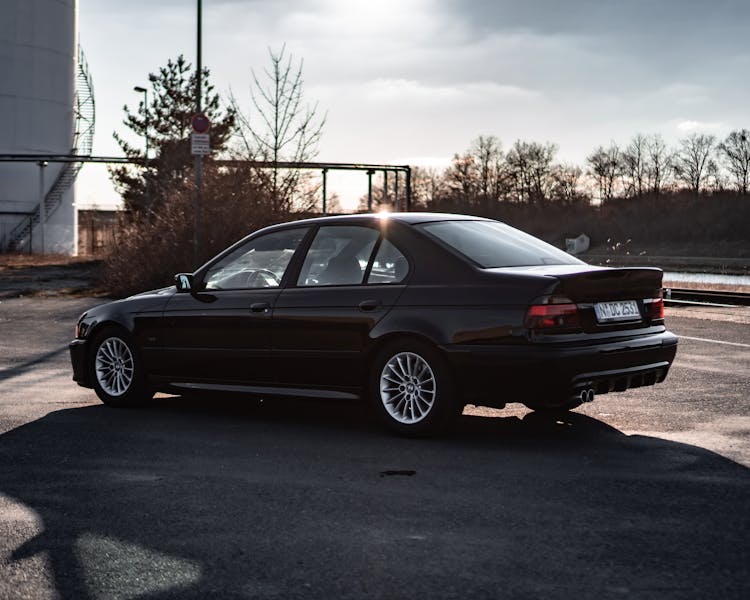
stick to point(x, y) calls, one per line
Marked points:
point(413, 81)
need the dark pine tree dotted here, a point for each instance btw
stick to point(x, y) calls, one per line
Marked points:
point(168, 115)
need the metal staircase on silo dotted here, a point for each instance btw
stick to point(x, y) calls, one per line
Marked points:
point(83, 137)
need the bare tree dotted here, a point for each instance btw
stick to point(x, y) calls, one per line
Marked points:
point(565, 188)
point(279, 127)
point(529, 167)
point(659, 163)
point(635, 165)
point(461, 177)
point(694, 161)
point(488, 155)
point(605, 166)
point(427, 186)
point(735, 150)
point(475, 177)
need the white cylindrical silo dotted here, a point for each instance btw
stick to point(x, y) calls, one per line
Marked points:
point(38, 52)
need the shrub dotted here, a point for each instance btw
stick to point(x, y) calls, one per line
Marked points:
point(151, 246)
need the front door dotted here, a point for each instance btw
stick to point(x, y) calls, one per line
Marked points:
point(221, 332)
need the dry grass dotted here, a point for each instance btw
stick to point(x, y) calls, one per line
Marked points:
point(15, 261)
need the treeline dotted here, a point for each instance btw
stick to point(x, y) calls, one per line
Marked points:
point(691, 198)
point(486, 176)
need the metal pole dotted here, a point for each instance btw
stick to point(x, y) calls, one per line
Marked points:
point(369, 190)
point(144, 91)
point(395, 192)
point(385, 188)
point(198, 158)
point(145, 162)
point(408, 189)
point(325, 173)
point(42, 207)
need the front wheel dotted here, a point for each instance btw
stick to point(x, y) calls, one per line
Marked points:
point(411, 389)
point(117, 371)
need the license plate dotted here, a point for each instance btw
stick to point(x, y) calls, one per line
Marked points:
point(622, 310)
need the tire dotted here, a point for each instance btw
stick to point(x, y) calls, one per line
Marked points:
point(411, 389)
point(116, 370)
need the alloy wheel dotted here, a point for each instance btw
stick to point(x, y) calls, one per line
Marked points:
point(114, 366)
point(407, 387)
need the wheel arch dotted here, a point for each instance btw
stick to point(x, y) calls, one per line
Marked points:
point(105, 324)
point(392, 337)
point(400, 326)
point(405, 336)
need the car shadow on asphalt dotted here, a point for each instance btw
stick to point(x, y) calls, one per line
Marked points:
point(211, 497)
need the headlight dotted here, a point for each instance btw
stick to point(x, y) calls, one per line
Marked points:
point(81, 328)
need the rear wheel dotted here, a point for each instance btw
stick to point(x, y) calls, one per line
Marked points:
point(116, 370)
point(411, 389)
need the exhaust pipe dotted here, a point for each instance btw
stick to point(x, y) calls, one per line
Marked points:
point(584, 396)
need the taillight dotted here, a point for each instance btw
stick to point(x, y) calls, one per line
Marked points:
point(654, 308)
point(557, 317)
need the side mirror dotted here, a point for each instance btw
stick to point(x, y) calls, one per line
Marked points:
point(184, 282)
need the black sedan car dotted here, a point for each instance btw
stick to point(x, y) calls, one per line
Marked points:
point(419, 314)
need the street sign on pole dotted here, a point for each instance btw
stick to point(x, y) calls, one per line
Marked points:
point(201, 123)
point(200, 144)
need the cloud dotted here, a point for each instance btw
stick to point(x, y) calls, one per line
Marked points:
point(410, 90)
point(692, 126)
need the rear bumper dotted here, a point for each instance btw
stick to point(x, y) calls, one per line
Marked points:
point(78, 361)
point(548, 374)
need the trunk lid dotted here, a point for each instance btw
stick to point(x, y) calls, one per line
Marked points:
point(588, 286)
point(587, 283)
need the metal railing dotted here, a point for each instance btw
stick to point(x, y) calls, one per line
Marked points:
point(705, 297)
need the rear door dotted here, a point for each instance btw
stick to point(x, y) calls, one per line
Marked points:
point(349, 280)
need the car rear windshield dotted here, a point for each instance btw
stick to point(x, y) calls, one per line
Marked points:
point(492, 244)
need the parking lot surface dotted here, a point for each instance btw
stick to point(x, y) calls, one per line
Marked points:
point(643, 494)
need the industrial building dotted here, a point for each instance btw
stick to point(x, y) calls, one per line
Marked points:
point(47, 101)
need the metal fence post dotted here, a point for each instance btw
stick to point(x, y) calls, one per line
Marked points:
point(325, 173)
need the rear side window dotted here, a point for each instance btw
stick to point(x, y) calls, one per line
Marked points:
point(389, 266)
point(492, 244)
point(338, 256)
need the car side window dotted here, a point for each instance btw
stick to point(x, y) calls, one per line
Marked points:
point(389, 266)
point(338, 256)
point(260, 263)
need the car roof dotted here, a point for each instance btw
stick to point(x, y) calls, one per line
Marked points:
point(410, 218)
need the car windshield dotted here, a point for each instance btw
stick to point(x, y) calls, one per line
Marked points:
point(492, 244)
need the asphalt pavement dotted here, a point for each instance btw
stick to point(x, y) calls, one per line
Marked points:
point(643, 494)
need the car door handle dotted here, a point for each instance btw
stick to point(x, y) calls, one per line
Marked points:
point(369, 305)
point(260, 307)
